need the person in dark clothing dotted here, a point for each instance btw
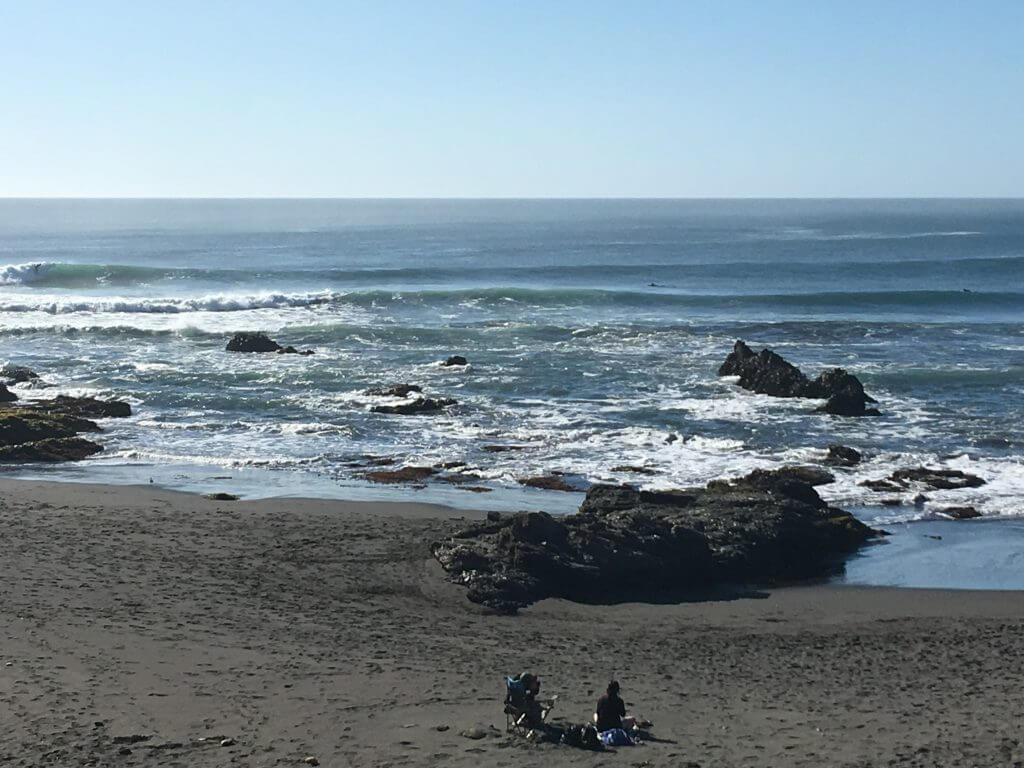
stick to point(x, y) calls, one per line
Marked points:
point(611, 711)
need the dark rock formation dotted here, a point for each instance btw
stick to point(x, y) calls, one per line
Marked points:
point(6, 396)
point(842, 456)
point(418, 406)
point(403, 475)
point(937, 479)
point(87, 406)
point(455, 360)
point(252, 342)
point(49, 450)
point(767, 373)
point(46, 430)
point(221, 496)
point(17, 374)
point(547, 483)
point(634, 469)
point(503, 448)
point(18, 426)
point(395, 390)
point(960, 513)
point(626, 544)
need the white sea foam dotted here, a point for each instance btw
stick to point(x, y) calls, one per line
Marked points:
point(24, 274)
point(60, 304)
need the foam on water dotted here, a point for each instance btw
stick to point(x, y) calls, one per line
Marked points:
point(594, 331)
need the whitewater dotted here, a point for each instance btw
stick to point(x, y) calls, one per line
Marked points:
point(594, 330)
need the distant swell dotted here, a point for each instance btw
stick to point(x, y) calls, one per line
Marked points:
point(66, 276)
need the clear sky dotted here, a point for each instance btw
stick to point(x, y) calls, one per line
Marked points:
point(497, 98)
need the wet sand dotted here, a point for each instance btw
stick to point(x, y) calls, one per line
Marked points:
point(146, 627)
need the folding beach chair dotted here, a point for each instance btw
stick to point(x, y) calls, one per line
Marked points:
point(517, 710)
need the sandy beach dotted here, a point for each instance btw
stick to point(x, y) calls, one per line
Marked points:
point(147, 627)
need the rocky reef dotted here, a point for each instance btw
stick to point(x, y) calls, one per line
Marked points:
point(259, 342)
point(767, 373)
point(47, 430)
point(630, 545)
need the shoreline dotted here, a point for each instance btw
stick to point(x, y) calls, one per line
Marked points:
point(166, 624)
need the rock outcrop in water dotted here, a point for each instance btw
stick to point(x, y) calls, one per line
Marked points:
point(6, 396)
point(420, 405)
point(17, 374)
point(259, 342)
point(767, 373)
point(252, 342)
point(629, 545)
point(926, 477)
point(47, 430)
point(842, 456)
point(395, 390)
point(455, 360)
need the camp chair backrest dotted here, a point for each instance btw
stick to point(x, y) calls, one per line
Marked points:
point(516, 691)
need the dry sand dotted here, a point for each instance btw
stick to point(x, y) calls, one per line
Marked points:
point(310, 628)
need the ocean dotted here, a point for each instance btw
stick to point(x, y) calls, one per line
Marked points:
point(593, 329)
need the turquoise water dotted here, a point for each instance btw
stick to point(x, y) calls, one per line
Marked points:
point(593, 328)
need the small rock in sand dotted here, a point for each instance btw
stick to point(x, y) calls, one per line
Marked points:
point(474, 733)
point(310, 760)
point(228, 742)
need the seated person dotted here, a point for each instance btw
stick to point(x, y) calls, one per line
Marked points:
point(527, 701)
point(611, 711)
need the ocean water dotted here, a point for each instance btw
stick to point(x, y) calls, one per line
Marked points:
point(593, 329)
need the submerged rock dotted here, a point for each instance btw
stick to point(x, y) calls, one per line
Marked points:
point(418, 406)
point(842, 456)
point(937, 479)
point(252, 342)
point(403, 475)
point(960, 513)
point(547, 483)
point(17, 374)
point(625, 544)
point(395, 390)
point(767, 373)
point(455, 360)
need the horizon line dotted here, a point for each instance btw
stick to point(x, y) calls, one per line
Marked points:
point(511, 198)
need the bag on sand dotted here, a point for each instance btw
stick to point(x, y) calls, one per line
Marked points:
point(616, 737)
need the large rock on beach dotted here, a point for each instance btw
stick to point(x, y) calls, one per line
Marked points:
point(626, 545)
point(252, 342)
point(768, 373)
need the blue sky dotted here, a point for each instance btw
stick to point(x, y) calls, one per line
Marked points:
point(497, 99)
